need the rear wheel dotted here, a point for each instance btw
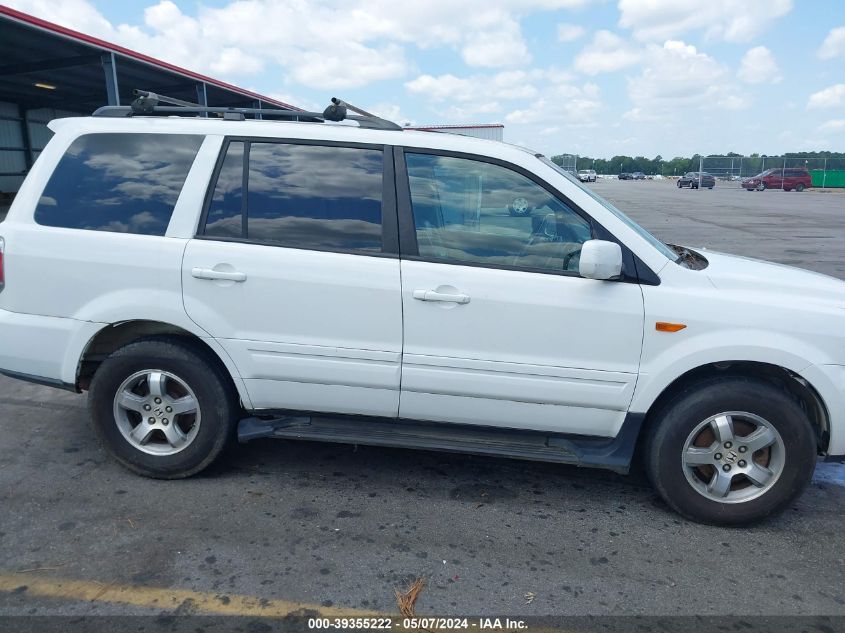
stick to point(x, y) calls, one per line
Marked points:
point(162, 409)
point(731, 451)
point(799, 187)
point(761, 186)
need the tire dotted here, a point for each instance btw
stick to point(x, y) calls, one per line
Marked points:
point(787, 188)
point(761, 186)
point(753, 405)
point(799, 187)
point(710, 188)
point(176, 445)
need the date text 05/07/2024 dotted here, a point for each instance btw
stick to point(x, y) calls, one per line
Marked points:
point(417, 623)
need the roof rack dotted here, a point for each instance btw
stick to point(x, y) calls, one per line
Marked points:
point(147, 103)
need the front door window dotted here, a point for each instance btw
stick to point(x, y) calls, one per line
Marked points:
point(473, 212)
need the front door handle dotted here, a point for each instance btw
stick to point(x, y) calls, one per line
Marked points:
point(433, 295)
point(210, 273)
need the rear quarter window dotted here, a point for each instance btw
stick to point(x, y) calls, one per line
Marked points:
point(122, 183)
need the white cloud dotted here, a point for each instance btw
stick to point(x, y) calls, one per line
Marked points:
point(544, 95)
point(391, 112)
point(719, 19)
point(471, 112)
point(508, 85)
point(676, 78)
point(830, 97)
point(357, 66)
point(581, 104)
point(295, 100)
point(569, 32)
point(498, 48)
point(834, 125)
point(606, 53)
point(758, 66)
point(833, 45)
point(76, 14)
point(638, 114)
point(335, 43)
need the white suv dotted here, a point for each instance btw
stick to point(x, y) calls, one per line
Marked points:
point(207, 279)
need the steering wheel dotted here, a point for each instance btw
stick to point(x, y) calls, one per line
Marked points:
point(538, 236)
point(569, 257)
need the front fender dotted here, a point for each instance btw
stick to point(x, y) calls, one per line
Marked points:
point(663, 368)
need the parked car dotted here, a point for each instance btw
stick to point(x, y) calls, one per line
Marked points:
point(692, 180)
point(626, 176)
point(365, 286)
point(786, 179)
point(587, 175)
point(638, 175)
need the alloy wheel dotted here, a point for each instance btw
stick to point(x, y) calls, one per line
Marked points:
point(733, 457)
point(157, 412)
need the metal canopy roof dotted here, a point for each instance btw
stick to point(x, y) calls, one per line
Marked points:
point(78, 66)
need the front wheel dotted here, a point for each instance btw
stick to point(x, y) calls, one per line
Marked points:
point(761, 186)
point(799, 187)
point(162, 409)
point(731, 451)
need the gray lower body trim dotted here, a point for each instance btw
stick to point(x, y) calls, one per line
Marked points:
point(40, 380)
point(613, 453)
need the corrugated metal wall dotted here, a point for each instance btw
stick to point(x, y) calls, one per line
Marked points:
point(12, 148)
point(15, 156)
point(489, 133)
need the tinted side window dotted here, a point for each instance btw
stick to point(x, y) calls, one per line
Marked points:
point(308, 196)
point(468, 211)
point(301, 196)
point(125, 183)
point(225, 210)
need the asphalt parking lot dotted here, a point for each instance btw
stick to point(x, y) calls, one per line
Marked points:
point(799, 229)
point(282, 526)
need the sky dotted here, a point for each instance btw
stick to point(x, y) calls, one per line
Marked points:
point(590, 77)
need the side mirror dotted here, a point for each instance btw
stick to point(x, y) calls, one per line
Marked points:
point(600, 260)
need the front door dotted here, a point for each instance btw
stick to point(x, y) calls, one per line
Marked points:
point(291, 272)
point(500, 329)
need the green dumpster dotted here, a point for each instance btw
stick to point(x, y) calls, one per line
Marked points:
point(831, 178)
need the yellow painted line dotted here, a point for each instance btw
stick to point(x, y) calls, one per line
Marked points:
point(220, 603)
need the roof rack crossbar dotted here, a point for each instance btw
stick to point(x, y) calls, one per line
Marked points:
point(148, 103)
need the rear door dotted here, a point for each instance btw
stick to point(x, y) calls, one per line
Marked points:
point(499, 327)
point(295, 272)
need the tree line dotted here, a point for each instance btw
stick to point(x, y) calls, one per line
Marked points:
point(730, 163)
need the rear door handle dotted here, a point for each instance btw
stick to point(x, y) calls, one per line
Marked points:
point(210, 273)
point(433, 295)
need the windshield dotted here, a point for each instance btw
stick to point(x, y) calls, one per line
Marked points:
point(660, 246)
